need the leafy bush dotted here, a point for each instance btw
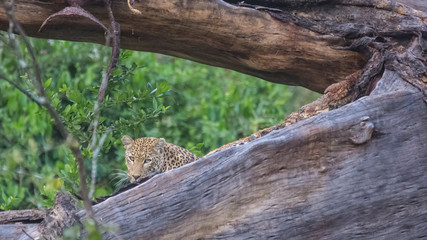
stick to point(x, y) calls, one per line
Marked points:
point(188, 104)
point(214, 106)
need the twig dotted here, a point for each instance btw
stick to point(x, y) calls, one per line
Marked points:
point(115, 37)
point(257, 7)
point(74, 10)
point(115, 30)
point(31, 97)
point(130, 3)
point(94, 158)
point(28, 235)
point(114, 34)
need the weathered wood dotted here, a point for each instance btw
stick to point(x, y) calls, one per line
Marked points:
point(310, 180)
point(17, 231)
point(19, 216)
point(211, 32)
point(17, 223)
point(48, 224)
point(61, 217)
point(305, 43)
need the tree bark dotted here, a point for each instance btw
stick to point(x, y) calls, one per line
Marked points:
point(210, 32)
point(22, 216)
point(357, 172)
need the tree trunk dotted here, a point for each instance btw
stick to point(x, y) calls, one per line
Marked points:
point(357, 172)
point(334, 176)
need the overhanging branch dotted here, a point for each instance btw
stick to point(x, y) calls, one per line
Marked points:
point(210, 32)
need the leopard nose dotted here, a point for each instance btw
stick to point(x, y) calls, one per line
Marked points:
point(135, 177)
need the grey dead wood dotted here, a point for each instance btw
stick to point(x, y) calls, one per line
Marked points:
point(40, 223)
point(16, 223)
point(16, 216)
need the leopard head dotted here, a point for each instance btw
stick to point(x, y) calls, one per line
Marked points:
point(144, 156)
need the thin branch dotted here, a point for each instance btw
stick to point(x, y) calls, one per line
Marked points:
point(28, 235)
point(94, 124)
point(37, 82)
point(74, 10)
point(13, 42)
point(114, 35)
point(94, 159)
point(29, 95)
point(130, 3)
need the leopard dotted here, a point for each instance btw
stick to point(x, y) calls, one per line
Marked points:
point(148, 156)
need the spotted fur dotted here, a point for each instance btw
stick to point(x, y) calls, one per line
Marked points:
point(148, 156)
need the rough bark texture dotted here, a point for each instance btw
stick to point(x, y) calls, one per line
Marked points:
point(305, 43)
point(357, 172)
point(211, 32)
point(20, 216)
point(62, 216)
point(34, 223)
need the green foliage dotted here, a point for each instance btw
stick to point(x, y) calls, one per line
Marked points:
point(33, 155)
point(92, 232)
point(214, 106)
point(72, 233)
point(11, 196)
point(189, 104)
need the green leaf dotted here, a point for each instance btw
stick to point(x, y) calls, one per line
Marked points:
point(154, 103)
point(67, 109)
point(47, 83)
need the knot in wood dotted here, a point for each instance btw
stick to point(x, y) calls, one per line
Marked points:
point(362, 132)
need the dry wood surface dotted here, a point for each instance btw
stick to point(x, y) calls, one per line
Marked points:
point(210, 32)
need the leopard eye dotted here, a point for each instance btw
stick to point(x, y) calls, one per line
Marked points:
point(148, 160)
point(132, 159)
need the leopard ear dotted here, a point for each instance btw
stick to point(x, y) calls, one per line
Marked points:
point(160, 145)
point(127, 141)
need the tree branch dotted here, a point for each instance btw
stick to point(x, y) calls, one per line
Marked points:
point(94, 159)
point(229, 36)
point(37, 82)
point(29, 95)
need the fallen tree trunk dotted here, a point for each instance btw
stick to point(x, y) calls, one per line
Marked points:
point(333, 176)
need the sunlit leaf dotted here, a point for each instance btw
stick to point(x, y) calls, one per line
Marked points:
point(47, 82)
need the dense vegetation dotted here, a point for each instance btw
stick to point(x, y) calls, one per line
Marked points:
point(189, 104)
